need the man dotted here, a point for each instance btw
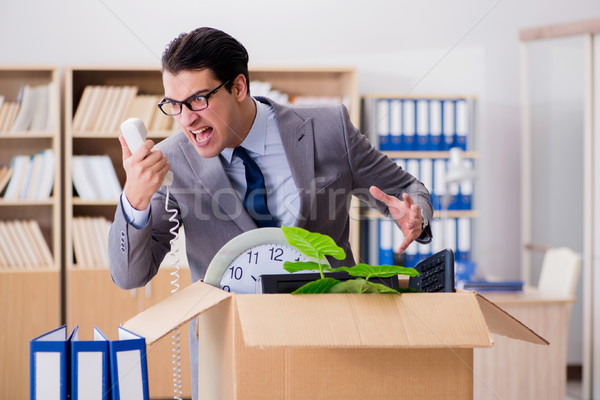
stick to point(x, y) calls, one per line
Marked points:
point(312, 161)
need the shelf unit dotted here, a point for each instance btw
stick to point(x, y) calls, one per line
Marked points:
point(92, 299)
point(380, 122)
point(30, 295)
point(105, 305)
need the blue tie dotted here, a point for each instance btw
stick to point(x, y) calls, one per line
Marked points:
point(255, 200)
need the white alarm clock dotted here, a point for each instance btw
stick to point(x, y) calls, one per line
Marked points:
point(239, 263)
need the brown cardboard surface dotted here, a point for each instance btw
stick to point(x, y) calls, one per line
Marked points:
point(158, 320)
point(350, 346)
point(347, 373)
point(412, 320)
point(502, 323)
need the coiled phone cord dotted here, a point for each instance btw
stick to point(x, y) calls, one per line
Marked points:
point(175, 342)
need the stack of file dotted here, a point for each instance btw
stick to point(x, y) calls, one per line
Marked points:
point(22, 246)
point(33, 111)
point(95, 178)
point(418, 124)
point(29, 177)
point(102, 108)
point(64, 367)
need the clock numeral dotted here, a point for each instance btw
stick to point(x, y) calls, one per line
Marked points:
point(236, 273)
point(250, 254)
point(276, 253)
point(226, 288)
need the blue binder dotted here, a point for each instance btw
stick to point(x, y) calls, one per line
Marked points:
point(128, 366)
point(435, 124)
point(90, 372)
point(449, 124)
point(386, 252)
point(409, 117)
point(462, 124)
point(49, 365)
point(396, 141)
point(382, 124)
point(422, 125)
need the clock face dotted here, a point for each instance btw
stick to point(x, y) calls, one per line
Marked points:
point(239, 263)
point(241, 275)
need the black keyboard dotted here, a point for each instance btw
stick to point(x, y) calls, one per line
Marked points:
point(436, 273)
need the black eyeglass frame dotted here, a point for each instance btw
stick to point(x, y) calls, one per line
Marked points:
point(186, 102)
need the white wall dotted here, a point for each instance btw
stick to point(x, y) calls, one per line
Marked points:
point(425, 47)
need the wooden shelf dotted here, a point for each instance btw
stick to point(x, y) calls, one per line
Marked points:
point(47, 212)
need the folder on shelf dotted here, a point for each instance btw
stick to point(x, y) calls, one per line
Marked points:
point(382, 124)
point(409, 116)
point(411, 255)
point(466, 190)
point(128, 366)
point(435, 124)
point(450, 234)
point(19, 165)
point(453, 192)
point(439, 184)
point(437, 241)
point(462, 123)
point(90, 372)
point(49, 365)
point(422, 125)
point(426, 174)
point(396, 138)
point(386, 253)
point(449, 125)
point(413, 168)
point(463, 246)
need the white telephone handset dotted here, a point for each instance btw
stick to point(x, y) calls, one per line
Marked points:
point(134, 131)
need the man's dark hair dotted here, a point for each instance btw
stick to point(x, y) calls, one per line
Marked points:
point(207, 48)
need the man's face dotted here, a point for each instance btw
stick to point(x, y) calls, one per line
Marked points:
point(215, 128)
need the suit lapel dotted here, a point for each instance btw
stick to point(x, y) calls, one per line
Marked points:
point(209, 173)
point(297, 136)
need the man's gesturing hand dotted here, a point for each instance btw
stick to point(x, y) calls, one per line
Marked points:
point(406, 213)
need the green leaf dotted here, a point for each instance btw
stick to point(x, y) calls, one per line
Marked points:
point(379, 271)
point(361, 286)
point(313, 244)
point(353, 286)
point(296, 266)
point(317, 287)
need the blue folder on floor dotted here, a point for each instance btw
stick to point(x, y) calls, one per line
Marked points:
point(49, 365)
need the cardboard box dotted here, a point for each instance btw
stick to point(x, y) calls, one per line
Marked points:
point(333, 346)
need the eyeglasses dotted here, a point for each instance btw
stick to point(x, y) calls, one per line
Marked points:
point(193, 103)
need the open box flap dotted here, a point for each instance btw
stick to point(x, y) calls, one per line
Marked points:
point(411, 320)
point(174, 311)
point(502, 323)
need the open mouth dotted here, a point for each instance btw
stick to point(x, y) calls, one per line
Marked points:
point(202, 135)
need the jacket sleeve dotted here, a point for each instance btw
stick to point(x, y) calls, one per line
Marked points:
point(371, 167)
point(135, 254)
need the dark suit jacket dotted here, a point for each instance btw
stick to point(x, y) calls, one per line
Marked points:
point(329, 159)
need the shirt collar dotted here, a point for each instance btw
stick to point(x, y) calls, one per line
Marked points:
point(256, 139)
